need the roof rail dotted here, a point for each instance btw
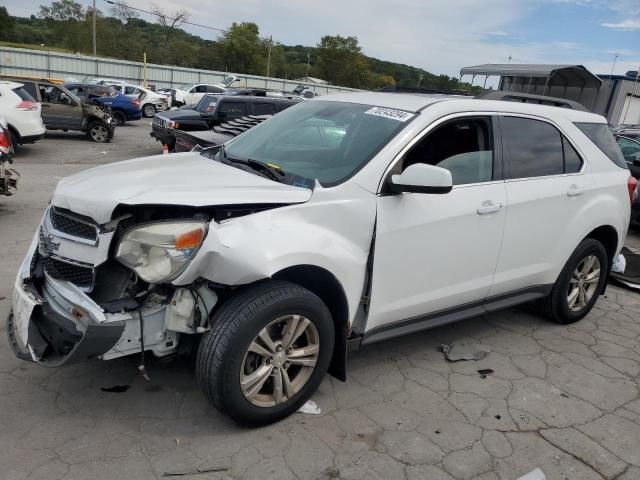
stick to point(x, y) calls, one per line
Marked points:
point(507, 96)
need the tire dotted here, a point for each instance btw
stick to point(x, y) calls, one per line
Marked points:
point(17, 348)
point(15, 143)
point(99, 132)
point(148, 110)
point(119, 117)
point(558, 305)
point(224, 357)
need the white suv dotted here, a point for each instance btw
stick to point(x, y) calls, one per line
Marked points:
point(339, 222)
point(22, 113)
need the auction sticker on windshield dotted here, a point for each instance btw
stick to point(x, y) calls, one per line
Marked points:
point(392, 113)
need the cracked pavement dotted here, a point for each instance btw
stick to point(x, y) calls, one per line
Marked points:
point(561, 398)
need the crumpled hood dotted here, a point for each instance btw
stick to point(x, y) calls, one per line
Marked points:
point(187, 179)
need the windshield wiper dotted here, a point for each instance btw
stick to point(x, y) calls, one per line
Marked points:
point(272, 172)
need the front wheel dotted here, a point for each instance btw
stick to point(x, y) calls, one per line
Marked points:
point(148, 110)
point(267, 352)
point(580, 283)
point(99, 132)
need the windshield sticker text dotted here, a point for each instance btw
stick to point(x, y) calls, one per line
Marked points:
point(391, 113)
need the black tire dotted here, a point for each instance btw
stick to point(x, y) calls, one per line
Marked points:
point(556, 305)
point(119, 117)
point(99, 132)
point(148, 110)
point(14, 343)
point(15, 142)
point(222, 351)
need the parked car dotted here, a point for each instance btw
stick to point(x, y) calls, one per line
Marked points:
point(22, 114)
point(8, 176)
point(213, 110)
point(62, 110)
point(629, 131)
point(187, 141)
point(151, 102)
point(340, 222)
point(193, 93)
point(122, 108)
point(631, 151)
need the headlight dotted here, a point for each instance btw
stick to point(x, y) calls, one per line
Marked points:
point(160, 252)
point(173, 124)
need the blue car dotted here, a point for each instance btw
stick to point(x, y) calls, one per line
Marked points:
point(121, 107)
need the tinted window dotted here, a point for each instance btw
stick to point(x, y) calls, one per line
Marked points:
point(532, 148)
point(600, 134)
point(233, 108)
point(22, 93)
point(200, 89)
point(30, 88)
point(262, 108)
point(212, 89)
point(464, 147)
point(630, 149)
point(572, 161)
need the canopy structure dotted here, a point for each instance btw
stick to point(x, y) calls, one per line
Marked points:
point(572, 82)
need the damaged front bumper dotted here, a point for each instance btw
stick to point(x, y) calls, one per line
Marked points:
point(8, 180)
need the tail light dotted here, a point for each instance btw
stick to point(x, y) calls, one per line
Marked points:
point(135, 102)
point(27, 105)
point(632, 185)
point(5, 141)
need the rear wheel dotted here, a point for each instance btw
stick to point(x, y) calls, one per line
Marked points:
point(99, 132)
point(269, 349)
point(580, 283)
point(148, 110)
point(119, 117)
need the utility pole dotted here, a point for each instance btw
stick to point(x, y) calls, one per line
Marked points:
point(94, 28)
point(269, 55)
point(308, 64)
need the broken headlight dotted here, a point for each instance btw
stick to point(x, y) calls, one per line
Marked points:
point(160, 252)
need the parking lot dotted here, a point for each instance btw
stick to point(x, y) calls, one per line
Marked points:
point(564, 399)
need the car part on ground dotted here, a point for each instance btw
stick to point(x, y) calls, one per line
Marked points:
point(334, 220)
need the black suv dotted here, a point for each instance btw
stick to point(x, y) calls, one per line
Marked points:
point(62, 110)
point(212, 110)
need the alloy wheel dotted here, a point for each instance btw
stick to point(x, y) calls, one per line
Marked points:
point(99, 133)
point(279, 361)
point(149, 111)
point(583, 283)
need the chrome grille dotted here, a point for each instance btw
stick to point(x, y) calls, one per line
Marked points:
point(79, 275)
point(159, 121)
point(72, 225)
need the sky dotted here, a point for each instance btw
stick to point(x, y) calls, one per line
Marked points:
point(440, 36)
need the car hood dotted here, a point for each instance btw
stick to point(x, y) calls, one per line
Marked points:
point(187, 179)
point(179, 114)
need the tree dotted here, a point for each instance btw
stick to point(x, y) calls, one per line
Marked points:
point(242, 50)
point(170, 20)
point(341, 62)
point(63, 10)
point(123, 12)
point(7, 23)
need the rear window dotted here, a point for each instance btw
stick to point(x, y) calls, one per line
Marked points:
point(22, 93)
point(600, 134)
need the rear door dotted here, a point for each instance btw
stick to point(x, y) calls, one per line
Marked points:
point(546, 187)
point(59, 110)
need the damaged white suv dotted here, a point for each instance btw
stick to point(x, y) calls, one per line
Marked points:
point(339, 222)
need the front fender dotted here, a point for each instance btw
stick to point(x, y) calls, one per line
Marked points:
point(335, 236)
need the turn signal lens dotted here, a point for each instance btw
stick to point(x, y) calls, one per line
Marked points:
point(189, 240)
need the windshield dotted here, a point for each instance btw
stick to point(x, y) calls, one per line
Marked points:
point(185, 86)
point(327, 141)
point(207, 104)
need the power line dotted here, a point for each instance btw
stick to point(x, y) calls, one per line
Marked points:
point(111, 2)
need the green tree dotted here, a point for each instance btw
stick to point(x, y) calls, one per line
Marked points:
point(341, 62)
point(7, 24)
point(62, 10)
point(242, 50)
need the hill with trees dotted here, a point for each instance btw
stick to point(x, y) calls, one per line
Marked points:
point(66, 25)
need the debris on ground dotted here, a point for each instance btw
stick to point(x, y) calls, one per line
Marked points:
point(630, 274)
point(116, 389)
point(310, 407)
point(536, 474)
point(619, 264)
point(195, 471)
point(455, 352)
point(484, 372)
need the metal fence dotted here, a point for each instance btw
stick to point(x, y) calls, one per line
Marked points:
point(37, 63)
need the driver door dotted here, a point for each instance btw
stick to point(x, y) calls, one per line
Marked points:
point(59, 110)
point(436, 253)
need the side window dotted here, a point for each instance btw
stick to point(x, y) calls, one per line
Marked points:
point(572, 161)
point(462, 146)
point(212, 89)
point(233, 109)
point(30, 89)
point(55, 95)
point(130, 91)
point(262, 108)
point(532, 148)
point(600, 134)
point(630, 149)
point(200, 89)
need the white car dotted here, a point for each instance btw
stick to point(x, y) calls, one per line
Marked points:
point(339, 222)
point(150, 101)
point(22, 114)
point(191, 94)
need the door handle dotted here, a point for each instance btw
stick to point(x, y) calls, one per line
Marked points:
point(575, 191)
point(489, 207)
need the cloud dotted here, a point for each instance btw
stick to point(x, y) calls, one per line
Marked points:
point(628, 24)
point(498, 33)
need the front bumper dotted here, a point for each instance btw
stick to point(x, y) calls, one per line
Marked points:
point(163, 135)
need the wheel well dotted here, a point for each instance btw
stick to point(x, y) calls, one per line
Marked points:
point(14, 132)
point(326, 286)
point(608, 236)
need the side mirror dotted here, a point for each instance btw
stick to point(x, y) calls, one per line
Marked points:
point(422, 178)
